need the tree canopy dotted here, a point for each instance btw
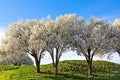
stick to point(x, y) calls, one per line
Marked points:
point(66, 32)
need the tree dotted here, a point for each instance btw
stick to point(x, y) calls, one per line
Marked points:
point(116, 36)
point(58, 38)
point(91, 39)
point(15, 59)
point(2, 53)
point(26, 37)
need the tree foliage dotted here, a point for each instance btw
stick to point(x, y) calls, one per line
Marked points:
point(92, 39)
point(25, 37)
point(59, 36)
point(116, 36)
point(66, 32)
point(14, 58)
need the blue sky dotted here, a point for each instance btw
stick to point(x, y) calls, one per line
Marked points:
point(14, 10)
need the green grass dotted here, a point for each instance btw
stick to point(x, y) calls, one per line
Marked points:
point(68, 70)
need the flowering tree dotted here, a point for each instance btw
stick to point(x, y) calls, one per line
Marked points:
point(91, 40)
point(58, 38)
point(59, 35)
point(7, 58)
point(26, 37)
point(116, 36)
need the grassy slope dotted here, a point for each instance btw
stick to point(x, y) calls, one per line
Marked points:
point(68, 70)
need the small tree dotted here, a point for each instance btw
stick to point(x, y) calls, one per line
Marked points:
point(15, 59)
point(92, 40)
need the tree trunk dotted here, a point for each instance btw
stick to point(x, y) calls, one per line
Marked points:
point(37, 60)
point(56, 70)
point(89, 64)
point(37, 65)
point(56, 63)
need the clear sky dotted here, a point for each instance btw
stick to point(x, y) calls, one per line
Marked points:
point(14, 10)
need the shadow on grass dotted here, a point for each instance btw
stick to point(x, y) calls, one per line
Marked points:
point(115, 77)
point(68, 76)
point(63, 76)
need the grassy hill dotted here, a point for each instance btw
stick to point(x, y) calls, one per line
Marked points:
point(68, 70)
